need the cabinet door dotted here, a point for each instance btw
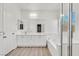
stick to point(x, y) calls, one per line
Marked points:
point(36, 40)
point(13, 40)
point(43, 40)
point(19, 40)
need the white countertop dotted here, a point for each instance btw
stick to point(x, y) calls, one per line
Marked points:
point(23, 33)
point(32, 34)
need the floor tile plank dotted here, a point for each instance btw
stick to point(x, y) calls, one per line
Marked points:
point(29, 52)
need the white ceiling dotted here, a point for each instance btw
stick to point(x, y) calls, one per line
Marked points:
point(39, 6)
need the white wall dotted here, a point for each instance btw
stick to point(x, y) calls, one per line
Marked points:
point(49, 19)
point(1, 35)
point(11, 14)
point(0, 17)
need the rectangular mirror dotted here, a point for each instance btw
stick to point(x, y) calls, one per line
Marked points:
point(21, 26)
point(38, 27)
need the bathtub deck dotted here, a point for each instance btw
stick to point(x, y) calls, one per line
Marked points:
point(29, 52)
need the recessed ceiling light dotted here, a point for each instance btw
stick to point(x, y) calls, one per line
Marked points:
point(33, 15)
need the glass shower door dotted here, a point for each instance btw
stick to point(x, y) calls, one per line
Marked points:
point(65, 29)
point(70, 30)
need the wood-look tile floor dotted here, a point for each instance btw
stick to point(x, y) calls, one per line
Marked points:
point(29, 52)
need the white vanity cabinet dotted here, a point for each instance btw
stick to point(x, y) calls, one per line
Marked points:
point(31, 40)
point(7, 43)
point(10, 42)
point(4, 43)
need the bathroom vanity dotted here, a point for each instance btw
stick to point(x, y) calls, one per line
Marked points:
point(31, 40)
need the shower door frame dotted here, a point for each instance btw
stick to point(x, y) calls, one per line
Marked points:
point(70, 32)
